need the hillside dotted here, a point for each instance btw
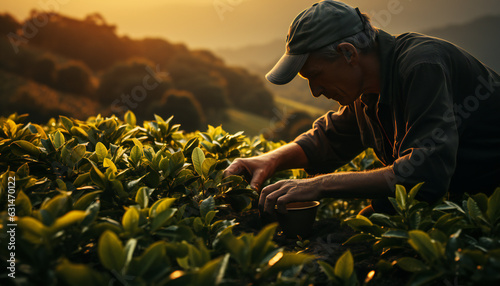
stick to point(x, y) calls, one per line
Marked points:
point(86, 60)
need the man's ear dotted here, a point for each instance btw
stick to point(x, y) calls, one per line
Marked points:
point(349, 52)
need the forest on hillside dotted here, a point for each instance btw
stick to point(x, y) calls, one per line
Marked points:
point(53, 65)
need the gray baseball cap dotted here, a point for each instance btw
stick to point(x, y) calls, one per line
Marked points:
point(321, 24)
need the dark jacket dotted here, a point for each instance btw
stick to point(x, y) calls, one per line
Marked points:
point(436, 120)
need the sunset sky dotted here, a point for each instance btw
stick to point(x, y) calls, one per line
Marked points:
point(233, 23)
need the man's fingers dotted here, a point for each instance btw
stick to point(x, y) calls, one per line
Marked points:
point(271, 200)
point(281, 203)
point(258, 178)
point(233, 169)
point(265, 192)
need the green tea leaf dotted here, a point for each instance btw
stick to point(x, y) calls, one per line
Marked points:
point(101, 151)
point(493, 211)
point(142, 197)
point(109, 164)
point(135, 155)
point(130, 220)
point(401, 197)
point(23, 147)
point(32, 229)
point(411, 264)
point(66, 220)
point(396, 233)
point(206, 206)
point(23, 205)
point(160, 206)
point(236, 247)
point(284, 260)
point(161, 218)
point(328, 269)
point(262, 242)
point(130, 118)
point(413, 192)
point(344, 266)
point(208, 166)
point(177, 233)
point(84, 202)
point(66, 122)
point(176, 162)
point(190, 145)
point(150, 257)
point(360, 237)
point(197, 224)
point(76, 154)
point(198, 157)
point(422, 243)
point(110, 250)
point(78, 274)
point(474, 211)
point(128, 253)
point(98, 177)
point(10, 128)
point(57, 205)
point(82, 179)
point(58, 139)
point(79, 132)
point(209, 217)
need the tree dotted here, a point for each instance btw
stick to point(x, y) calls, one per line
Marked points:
point(44, 70)
point(183, 106)
point(132, 85)
point(74, 77)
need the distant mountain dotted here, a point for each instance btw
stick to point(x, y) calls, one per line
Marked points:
point(254, 56)
point(87, 57)
point(478, 37)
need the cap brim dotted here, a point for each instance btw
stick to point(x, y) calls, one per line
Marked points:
point(286, 68)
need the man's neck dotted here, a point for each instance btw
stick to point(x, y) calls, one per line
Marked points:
point(370, 64)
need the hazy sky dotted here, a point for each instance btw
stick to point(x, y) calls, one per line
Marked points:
point(233, 23)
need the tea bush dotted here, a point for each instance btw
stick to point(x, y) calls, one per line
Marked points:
point(111, 202)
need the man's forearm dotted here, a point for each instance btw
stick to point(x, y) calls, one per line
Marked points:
point(369, 184)
point(288, 156)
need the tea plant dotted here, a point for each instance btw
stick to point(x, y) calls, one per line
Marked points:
point(110, 202)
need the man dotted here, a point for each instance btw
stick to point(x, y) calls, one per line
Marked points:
point(429, 110)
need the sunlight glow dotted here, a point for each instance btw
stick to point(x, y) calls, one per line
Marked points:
point(275, 258)
point(176, 274)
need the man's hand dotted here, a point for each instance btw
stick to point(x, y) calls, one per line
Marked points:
point(369, 184)
point(287, 191)
point(258, 169)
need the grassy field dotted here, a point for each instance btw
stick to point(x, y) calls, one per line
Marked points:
point(240, 120)
point(254, 125)
point(290, 104)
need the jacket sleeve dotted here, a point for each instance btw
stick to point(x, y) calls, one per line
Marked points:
point(427, 151)
point(333, 141)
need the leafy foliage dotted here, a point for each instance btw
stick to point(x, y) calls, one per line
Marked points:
point(107, 201)
point(115, 201)
point(447, 242)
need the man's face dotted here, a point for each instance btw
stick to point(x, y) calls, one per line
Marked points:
point(337, 79)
